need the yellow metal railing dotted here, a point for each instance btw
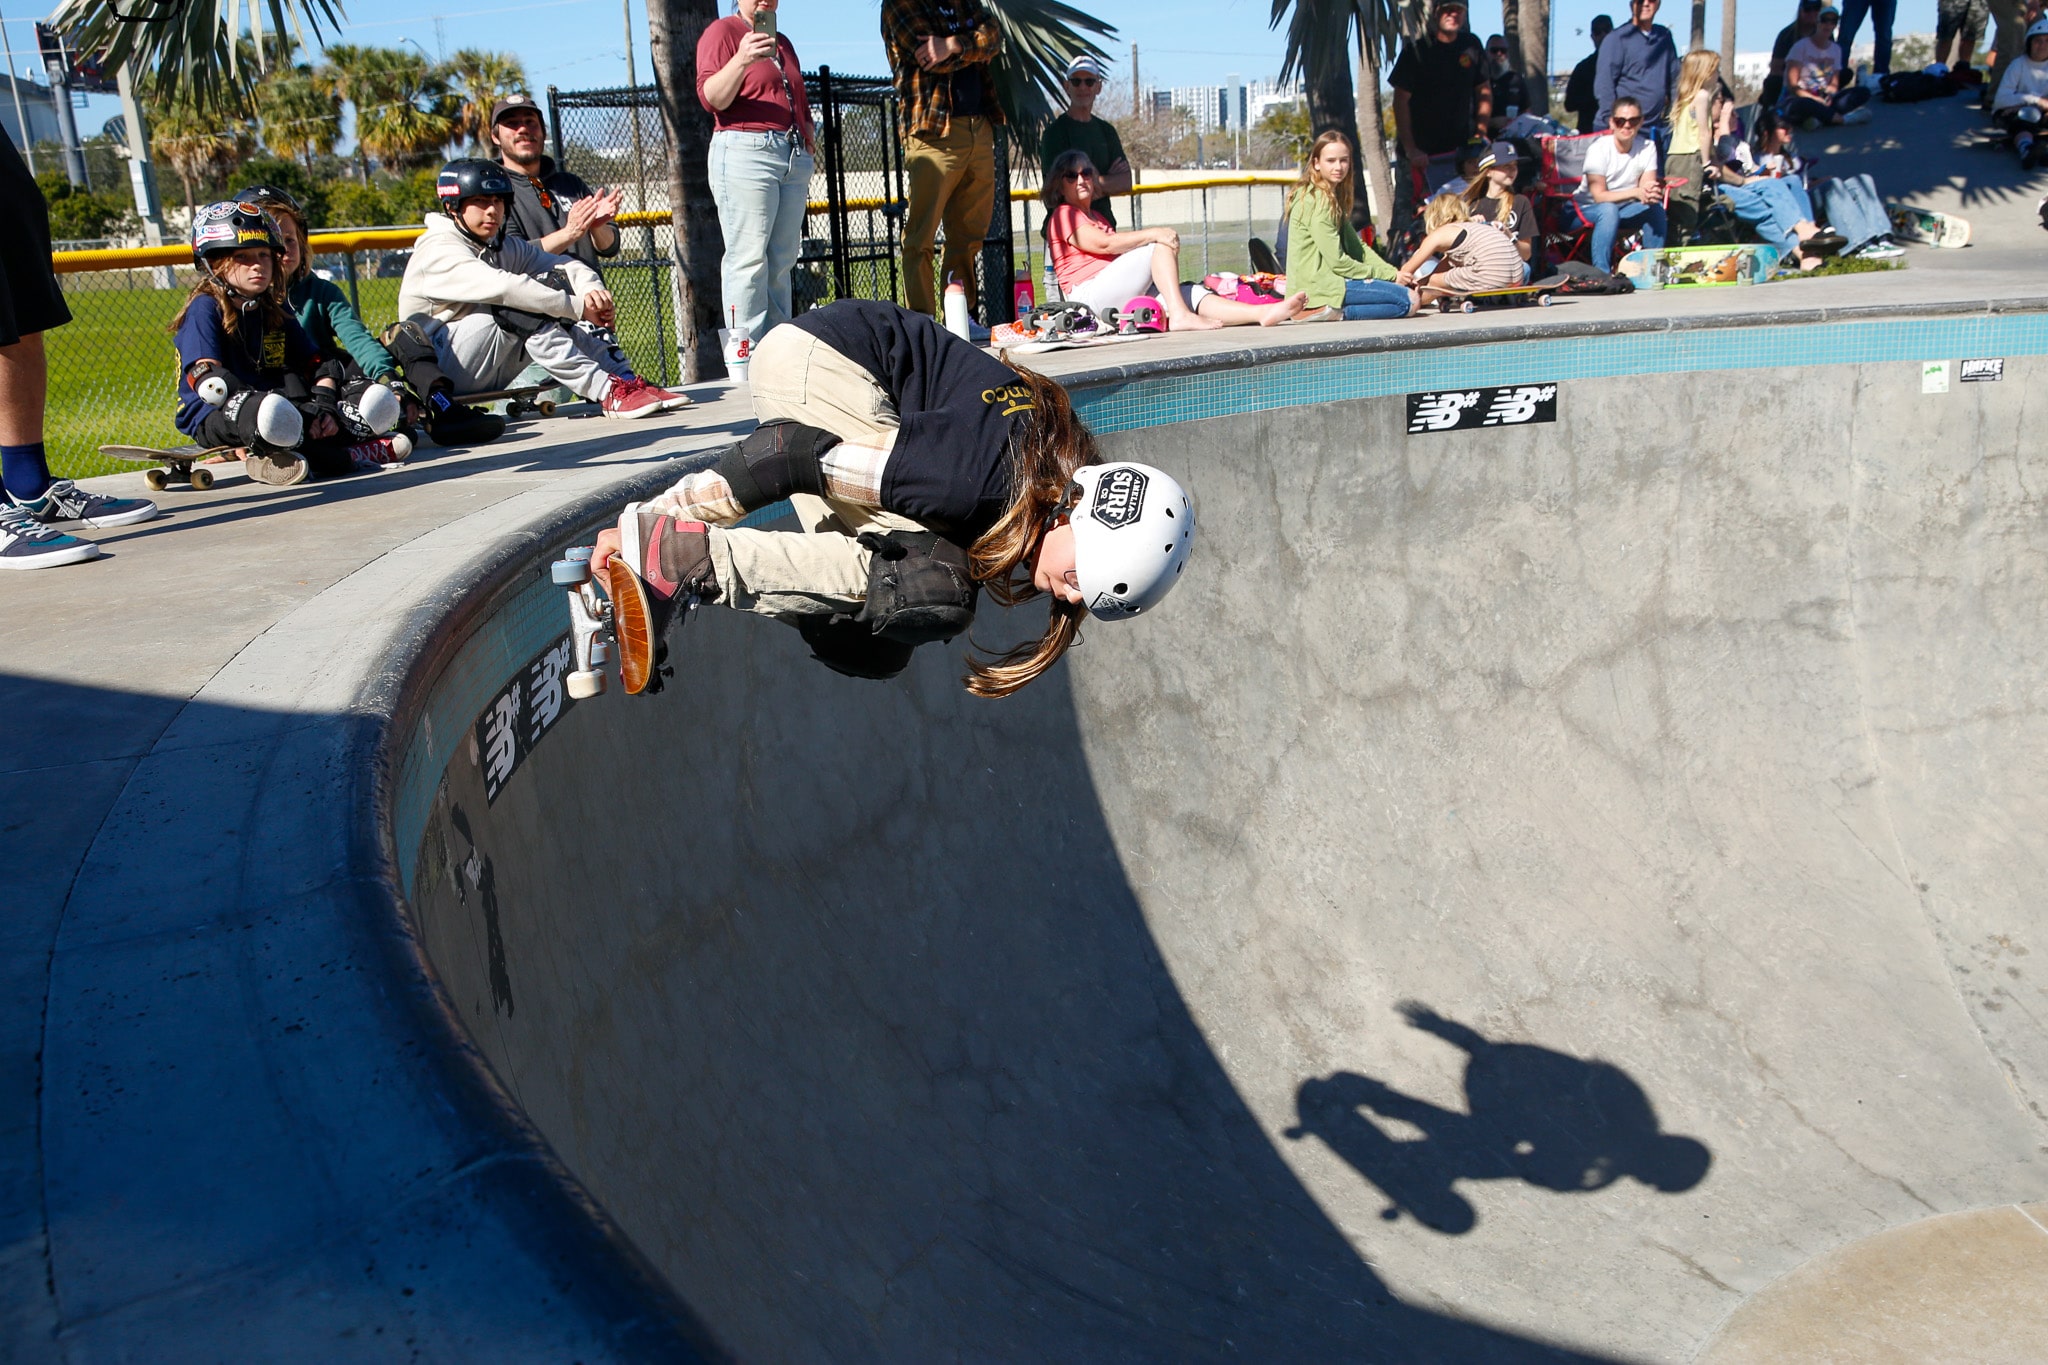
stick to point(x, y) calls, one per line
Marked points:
point(397, 238)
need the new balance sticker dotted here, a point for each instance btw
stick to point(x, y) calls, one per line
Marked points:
point(1463, 409)
point(1119, 498)
point(524, 710)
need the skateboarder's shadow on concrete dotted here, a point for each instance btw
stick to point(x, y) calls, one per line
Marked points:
point(1556, 1121)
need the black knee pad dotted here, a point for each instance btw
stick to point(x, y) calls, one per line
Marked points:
point(919, 588)
point(412, 347)
point(845, 645)
point(777, 459)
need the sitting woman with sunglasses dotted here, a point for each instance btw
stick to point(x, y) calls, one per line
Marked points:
point(1621, 184)
point(1105, 269)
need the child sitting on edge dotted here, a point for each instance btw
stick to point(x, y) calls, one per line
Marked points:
point(249, 376)
point(488, 304)
point(1468, 255)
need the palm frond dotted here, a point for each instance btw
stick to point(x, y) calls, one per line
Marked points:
point(195, 48)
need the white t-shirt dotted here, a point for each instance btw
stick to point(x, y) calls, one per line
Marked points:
point(1622, 169)
point(2023, 77)
point(1817, 67)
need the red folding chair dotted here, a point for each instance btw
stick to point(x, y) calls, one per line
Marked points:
point(1567, 235)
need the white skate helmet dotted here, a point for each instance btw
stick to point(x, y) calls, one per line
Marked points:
point(1134, 527)
point(2037, 29)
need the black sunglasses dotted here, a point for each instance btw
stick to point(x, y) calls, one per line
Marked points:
point(1620, 122)
point(1082, 80)
point(1078, 175)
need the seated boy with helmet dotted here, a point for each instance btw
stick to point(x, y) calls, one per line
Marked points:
point(481, 304)
point(248, 375)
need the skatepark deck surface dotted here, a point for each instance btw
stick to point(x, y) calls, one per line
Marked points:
point(1566, 890)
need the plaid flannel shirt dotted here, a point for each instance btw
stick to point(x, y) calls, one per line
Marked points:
point(925, 98)
point(853, 475)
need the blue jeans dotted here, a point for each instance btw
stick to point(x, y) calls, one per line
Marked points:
point(1364, 299)
point(1773, 206)
point(1854, 210)
point(760, 182)
point(1607, 220)
point(1880, 12)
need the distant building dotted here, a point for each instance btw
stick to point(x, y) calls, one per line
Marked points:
point(36, 106)
point(1212, 106)
point(1752, 67)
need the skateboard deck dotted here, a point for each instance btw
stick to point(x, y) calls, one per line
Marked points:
point(1910, 224)
point(517, 401)
point(1703, 265)
point(173, 462)
point(1515, 296)
point(612, 614)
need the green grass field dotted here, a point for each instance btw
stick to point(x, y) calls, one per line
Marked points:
point(113, 372)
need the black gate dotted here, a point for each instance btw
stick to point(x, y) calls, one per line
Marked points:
point(853, 235)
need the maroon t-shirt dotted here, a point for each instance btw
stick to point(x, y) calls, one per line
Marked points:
point(763, 102)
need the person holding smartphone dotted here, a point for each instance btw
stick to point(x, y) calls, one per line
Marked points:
point(763, 154)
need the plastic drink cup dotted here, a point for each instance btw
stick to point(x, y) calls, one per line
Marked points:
point(736, 345)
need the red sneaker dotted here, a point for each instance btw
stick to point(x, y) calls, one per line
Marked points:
point(628, 400)
point(670, 401)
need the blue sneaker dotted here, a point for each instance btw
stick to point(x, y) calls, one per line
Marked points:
point(25, 543)
point(66, 501)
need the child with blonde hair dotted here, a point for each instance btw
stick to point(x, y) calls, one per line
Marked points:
point(1469, 255)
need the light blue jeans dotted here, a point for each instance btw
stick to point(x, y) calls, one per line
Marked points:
point(1774, 206)
point(1365, 299)
point(1607, 218)
point(760, 182)
point(1855, 210)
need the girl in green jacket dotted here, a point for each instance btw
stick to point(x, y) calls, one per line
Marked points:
point(1325, 258)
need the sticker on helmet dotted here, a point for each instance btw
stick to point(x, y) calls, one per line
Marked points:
point(1119, 498)
point(214, 213)
point(1109, 604)
point(209, 233)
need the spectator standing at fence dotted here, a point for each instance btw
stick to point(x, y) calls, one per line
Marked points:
point(36, 502)
point(1441, 97)
point(1640, 62)
point(1620, 184)
point(1579, 97)
point(552, 208)
point(763, 155)
point(1510, 93)
point(939, 52)
point(1802, 26)
point(1079, 130)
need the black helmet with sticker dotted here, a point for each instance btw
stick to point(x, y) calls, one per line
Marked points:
point(229, 226)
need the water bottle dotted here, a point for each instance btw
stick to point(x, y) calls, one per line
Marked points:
point(956, 308)
point(1051, 292)
point(1022, 302)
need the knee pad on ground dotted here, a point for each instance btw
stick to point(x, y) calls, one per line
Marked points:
point(847, 646)
point(919, 587)
point(776, 460)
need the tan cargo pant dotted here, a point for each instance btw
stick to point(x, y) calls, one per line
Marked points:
point(952, 180)
point(821, 569)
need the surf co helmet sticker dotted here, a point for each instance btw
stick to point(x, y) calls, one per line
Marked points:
point(1119, 497)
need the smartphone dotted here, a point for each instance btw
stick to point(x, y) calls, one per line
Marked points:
point(764, 22)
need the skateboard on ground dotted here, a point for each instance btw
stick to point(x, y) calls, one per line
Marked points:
point(1064, 326)
point(1543, 293)
point(1910, 224)
point(518, 401)
point(610, 615)
point(1688, 266)
point(174, 462)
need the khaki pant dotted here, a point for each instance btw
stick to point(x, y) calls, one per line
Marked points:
point(821, 569)
point(952, 181)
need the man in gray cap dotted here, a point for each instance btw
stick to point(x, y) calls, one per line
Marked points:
point(1078, 130)
point(552, 208)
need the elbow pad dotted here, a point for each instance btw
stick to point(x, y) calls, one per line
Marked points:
point(213, 384)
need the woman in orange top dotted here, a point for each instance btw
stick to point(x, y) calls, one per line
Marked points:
point(1105, 269)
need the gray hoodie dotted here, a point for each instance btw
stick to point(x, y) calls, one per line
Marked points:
point(450, 276)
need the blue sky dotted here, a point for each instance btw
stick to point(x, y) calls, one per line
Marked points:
point(578, 44)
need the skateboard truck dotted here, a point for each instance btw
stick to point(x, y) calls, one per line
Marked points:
point(590, 621)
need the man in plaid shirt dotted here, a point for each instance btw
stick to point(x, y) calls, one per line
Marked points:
point(940, 51)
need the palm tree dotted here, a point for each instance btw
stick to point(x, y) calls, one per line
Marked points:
point(194, 49)
point(406, 116)
point(1319, 46)
point(299, 115)
point(1030, 76)
point(196, 143)
point(350, 74)
point(482, 79)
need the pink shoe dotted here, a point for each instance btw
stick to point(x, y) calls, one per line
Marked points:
point(628, 400)
point(670, 401)
point(394, 449)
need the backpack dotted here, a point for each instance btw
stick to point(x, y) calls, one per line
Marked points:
point(1910, 87)
point(1580, 278)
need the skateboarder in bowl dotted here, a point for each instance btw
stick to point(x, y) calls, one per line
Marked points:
point(922, 470)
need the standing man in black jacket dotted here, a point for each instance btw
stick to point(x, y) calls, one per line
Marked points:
point(1579, 96)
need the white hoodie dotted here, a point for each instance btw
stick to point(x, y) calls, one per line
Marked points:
point(2023, 77)
point(450, 276)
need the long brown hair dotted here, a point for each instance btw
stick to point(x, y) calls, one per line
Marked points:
point(1050, 446)
point(1309, 182)
point(230, 304)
